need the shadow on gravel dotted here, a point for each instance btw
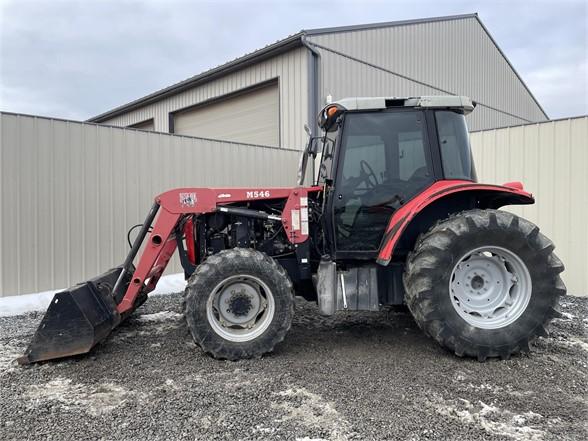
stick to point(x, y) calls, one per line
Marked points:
point(352, 376)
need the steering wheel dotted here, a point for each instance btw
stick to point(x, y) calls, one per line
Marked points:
point(368, 174)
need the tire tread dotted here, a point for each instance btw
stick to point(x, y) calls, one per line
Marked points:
point(424, 268)
point(227, 262)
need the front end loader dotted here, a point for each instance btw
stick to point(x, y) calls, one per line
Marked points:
point(394, 216)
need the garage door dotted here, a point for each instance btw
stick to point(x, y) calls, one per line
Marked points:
point(144, 125)
point(251, 117)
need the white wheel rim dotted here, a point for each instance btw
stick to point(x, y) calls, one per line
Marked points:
point(240, 308)
point(490, 287)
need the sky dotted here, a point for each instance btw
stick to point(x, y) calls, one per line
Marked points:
point(76, 59)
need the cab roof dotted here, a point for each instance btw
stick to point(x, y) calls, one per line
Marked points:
point(462, 103)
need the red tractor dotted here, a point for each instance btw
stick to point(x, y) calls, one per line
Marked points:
point(394, 216)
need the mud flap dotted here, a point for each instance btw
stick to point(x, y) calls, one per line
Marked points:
point(77, 319)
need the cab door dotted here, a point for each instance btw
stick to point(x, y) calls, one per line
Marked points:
point(383, 160)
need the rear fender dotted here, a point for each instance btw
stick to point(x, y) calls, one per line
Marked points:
point(476, 195)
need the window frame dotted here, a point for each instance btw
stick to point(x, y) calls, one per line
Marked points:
point(432, 158)
point(435, 139)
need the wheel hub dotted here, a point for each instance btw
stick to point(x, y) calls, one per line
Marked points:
point(478, 282)
point(490, 287)
point(240, 308)
point(240, 304)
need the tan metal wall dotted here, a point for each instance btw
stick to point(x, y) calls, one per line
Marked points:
point(457, 56)
point(69, 191)
point(289, 68)
point(551, 159)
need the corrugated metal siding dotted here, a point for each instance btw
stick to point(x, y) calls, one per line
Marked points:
point(145, 125)
point(69, 191)
point(291, 70)
point(457, 56)
point(551, 159)
point(252, 117)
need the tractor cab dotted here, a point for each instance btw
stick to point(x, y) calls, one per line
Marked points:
point(378, 153)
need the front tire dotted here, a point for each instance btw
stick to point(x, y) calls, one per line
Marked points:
point(484, 283)
point(239, 304)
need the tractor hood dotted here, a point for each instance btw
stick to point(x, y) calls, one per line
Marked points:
point(205, 200)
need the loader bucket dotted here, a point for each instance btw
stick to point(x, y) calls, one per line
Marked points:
point(77, 319)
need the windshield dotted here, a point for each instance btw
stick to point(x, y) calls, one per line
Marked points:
point(390, 147)
point(456, 154)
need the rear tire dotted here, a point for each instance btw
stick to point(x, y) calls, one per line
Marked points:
point(483, 249)
point(239, 304)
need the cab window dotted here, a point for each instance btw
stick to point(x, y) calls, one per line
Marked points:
point(383, 163)
point(454, 142)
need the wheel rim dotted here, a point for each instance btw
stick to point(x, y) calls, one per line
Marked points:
point(490, 287)
point(240, 308)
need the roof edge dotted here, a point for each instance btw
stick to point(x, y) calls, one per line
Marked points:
point(269, 51)
point(387, 24)
point(281, 46)
point(255, 56)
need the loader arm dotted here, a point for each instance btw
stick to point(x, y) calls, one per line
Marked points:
point(80, 317)
point(175, 209)
point(158, 251)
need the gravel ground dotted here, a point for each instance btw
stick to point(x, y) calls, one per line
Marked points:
point(354, 376)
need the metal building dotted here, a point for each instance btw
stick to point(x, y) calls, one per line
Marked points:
point(267, 96)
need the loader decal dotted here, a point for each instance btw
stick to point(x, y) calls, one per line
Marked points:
point(188, 199)
point(258, 194)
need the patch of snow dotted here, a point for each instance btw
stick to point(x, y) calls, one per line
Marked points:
point(95, 400)
point(205, 422)
point(170, 284)
point(149, 324)
point(313, 412)
point(17, 305)
point(122, 334)
point(21, 304)
point(460, 376)
point(171, 384)
point(8, 356)
point(571, 342)
point(577, 342)
point(159, 317)
point(260, 428)
point(492, 419)
point(492, 388)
